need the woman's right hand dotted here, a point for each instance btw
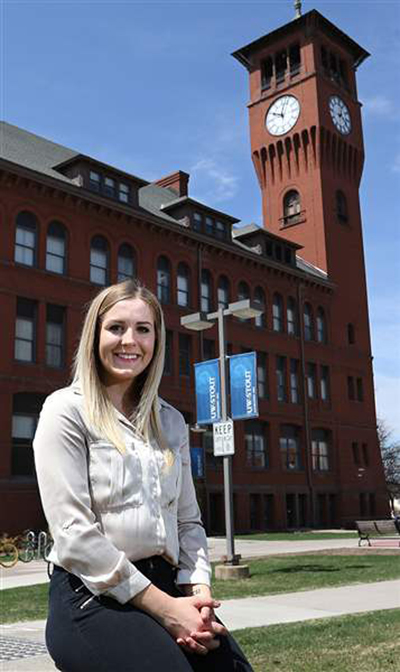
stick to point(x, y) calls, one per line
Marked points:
point(181, 616)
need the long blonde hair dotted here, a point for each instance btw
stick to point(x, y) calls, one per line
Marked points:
point(100, 412)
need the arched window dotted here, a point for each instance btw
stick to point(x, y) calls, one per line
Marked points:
point(183, 294)
point(292, 317)
point(163, 280)
point(351, 334)
point(223, 291)
point(277, 313)
point(308, 322)
point(291, 206)
point(126, 262)
point(26, 239)
point(341, 207)
point(243, 293)
point(56, 248)
point(259, 297)
point(99, 261)
point(206, 291)
point(321, 326)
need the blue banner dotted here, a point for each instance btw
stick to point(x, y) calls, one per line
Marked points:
point(208, 391)
point(196, 454)
point(243, 379)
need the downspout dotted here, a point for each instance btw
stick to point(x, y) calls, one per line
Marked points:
point(307, 451)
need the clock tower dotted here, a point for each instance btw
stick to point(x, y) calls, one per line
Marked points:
point(306, 137)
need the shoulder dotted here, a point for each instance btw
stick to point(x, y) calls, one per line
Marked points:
point(66, 400)
point(173, 424)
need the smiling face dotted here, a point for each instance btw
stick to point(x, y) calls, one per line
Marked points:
point(126, 342)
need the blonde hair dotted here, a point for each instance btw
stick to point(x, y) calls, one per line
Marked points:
point(100, 412)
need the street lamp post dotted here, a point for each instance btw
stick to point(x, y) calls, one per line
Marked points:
point(199, 322)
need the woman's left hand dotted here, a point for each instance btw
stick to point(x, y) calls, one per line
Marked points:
point(209, 637)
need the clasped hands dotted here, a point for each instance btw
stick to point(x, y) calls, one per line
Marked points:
point(203, 637)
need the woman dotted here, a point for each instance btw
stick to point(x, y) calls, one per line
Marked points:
point(130, 589)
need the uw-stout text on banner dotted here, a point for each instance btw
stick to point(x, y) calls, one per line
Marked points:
point(208, 391)
point(243, 377)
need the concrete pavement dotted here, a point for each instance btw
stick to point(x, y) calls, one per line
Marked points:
point(36, 572)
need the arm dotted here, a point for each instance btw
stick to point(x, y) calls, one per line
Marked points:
point(62, 471)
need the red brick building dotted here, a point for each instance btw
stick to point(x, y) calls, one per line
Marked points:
point(71, 224)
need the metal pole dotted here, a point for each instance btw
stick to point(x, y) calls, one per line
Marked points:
point(228, 482)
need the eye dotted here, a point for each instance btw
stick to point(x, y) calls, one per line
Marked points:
point(116, 328)
point(144, 330)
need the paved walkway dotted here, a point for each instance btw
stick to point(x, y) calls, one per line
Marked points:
point(240, 613)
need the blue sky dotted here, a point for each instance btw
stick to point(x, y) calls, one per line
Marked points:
point(150, 87)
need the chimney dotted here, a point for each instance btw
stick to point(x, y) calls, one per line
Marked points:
point(177, 182)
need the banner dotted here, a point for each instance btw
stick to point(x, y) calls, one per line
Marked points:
point(243, 381)
point(208, 391)
point(196, 454)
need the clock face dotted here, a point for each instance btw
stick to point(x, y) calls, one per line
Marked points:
point(282, 115)
point(340, 115)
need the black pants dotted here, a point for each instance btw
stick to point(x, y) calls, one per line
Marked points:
point(98, 634)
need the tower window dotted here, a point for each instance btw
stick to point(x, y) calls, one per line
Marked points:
point(321, 326)
point(259, 297)
point(291, 207)
point(280, 66)
point(351, 337)
point(341, 207)
point(294, 59)
point(266, 73)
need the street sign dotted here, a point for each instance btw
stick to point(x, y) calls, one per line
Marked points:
point(224, 443)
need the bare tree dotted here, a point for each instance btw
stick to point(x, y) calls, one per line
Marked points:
point(390, 451)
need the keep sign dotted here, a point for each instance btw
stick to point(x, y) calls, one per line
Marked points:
point(243, 380)
point(223, 436)
point(208, 391)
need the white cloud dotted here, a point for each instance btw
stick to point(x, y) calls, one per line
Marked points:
point(379, 105)
point(215, 183)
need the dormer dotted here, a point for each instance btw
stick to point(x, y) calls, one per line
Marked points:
point(266, 244)
point(102, 179)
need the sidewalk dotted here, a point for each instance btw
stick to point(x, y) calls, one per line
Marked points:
point(36, 572)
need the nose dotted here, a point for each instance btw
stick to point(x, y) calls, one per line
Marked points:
point(128, 337)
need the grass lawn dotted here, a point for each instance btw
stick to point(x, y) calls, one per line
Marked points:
point(285, 574)
point(269, 576)
point(357, 643)
point(297, 536)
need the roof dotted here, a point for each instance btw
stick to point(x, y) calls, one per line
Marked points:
point(253, 229)
point(182, 200)
point(312, 19)
point(32, 151)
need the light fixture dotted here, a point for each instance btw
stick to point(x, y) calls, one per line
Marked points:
point(196, 322)
point(245, 309)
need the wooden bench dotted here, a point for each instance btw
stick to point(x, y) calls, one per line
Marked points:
point(376, 529)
